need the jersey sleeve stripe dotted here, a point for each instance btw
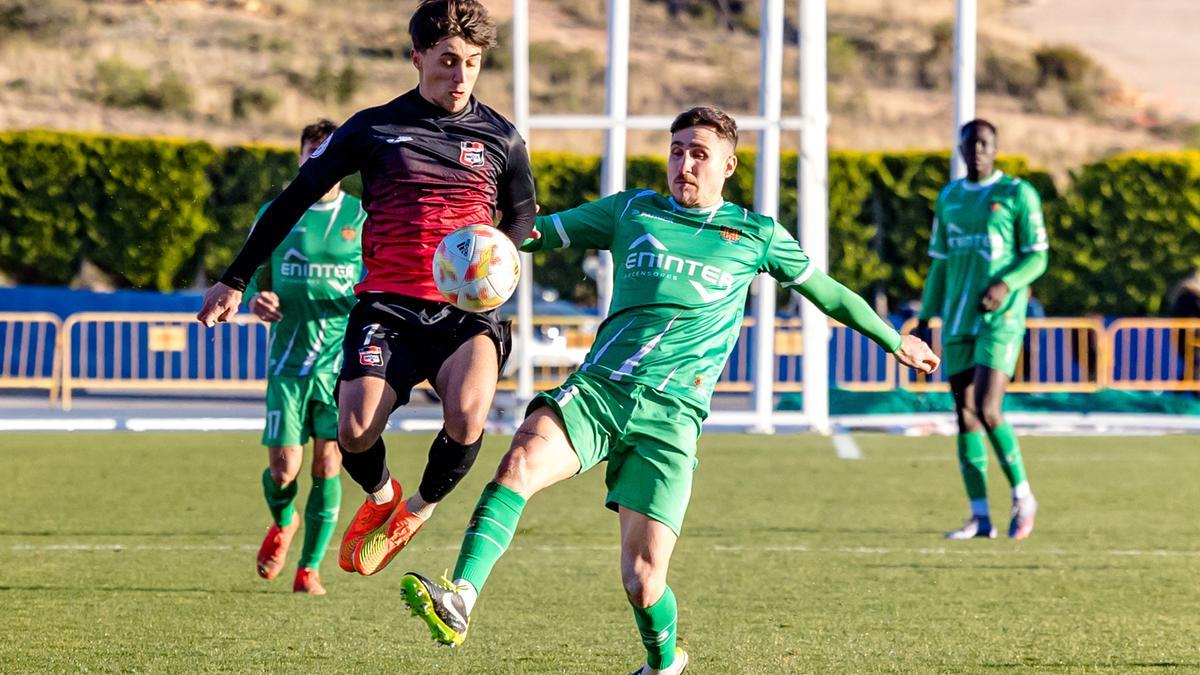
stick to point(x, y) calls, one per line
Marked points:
point(938, 255)
point(808, 272)
point(1035, 247)
point(562, 232)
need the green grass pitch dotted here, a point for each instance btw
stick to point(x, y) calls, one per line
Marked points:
point(135, 552)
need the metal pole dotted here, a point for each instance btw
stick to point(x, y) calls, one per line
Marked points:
point(612, 168)
point(520, 47)
point(964, 79)
point(766, 202)
point(813, 211)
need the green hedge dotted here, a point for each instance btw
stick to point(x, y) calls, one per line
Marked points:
point(1126, 230)
point(156, 213)
point(135, 207)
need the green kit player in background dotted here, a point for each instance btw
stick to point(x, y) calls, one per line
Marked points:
point(684, 263)
point(306, 289)
point(988, 245)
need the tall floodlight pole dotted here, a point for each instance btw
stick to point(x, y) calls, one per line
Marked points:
point(612, 167)
point(964, 78)
point(766, 202)
point(520, 47)
point(813, 208)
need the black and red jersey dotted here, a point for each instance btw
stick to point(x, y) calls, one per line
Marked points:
point(426, 172)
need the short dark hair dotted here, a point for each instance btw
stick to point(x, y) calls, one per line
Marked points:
point(708, 116)
point(436, 20)
point(316, 133)
point(975, 125)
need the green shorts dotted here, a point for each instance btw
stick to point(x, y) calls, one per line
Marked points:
point(647, 437)
point(998, 352)
point(300, 407)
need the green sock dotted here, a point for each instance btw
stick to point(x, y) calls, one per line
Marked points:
point(279, 499)
point(657, 624)
point(320, 519)
point(972, 461)
point(1004, 442)
point(489, 533)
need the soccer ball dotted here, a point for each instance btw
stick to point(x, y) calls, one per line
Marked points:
point(476, 268)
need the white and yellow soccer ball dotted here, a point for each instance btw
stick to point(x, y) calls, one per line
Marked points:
point(476, 268)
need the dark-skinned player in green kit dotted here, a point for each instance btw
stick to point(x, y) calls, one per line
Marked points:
point(988, 245)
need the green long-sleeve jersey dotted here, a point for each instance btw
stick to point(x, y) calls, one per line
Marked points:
point(984, 233)
point(313, 271)
point(680, 283)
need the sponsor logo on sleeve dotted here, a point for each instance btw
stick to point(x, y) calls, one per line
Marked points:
point(370, 355)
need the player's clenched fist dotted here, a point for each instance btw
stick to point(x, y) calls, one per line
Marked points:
point(220, 304)
point(915, 354)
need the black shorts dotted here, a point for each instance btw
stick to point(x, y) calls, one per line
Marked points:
point(406, 340)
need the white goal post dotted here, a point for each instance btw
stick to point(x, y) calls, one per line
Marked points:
point(813, 188)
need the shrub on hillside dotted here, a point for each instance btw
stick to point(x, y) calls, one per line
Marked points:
point(1078, 78)
point(121, 85)
point(40, 18)
point(330, 85)
point(249, 100)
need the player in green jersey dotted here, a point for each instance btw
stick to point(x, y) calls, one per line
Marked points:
point(306, 291)
point(684, 263)
point(988, 245)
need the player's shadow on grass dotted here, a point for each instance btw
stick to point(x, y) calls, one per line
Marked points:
point(134, 589)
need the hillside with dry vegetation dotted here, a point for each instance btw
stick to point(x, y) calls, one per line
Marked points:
point(232, 71)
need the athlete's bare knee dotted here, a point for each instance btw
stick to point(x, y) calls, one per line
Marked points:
point(643, 586)
point(465, 426)
point(514, 471)
point(284, 475)
point(326, 465)
point(992, 416)
point(355, 437)
point(968, 420)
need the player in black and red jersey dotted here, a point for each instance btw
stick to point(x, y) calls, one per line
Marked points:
point(433, 160)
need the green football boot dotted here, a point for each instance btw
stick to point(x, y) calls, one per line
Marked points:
point(439, 605)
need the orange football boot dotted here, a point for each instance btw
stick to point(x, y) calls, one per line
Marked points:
point(369, 517)
point(273, 551)
point(308, 580)
point(378, 548)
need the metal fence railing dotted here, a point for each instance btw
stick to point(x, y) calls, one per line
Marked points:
point(151, 351)
point(1155, 354)
point(1057, 355)
point(30, 351)
point(145, 352)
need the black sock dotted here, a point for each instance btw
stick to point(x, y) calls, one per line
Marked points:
point(449, 461)
point(368, 468)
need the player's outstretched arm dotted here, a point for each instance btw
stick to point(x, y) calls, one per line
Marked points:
point(839, 302)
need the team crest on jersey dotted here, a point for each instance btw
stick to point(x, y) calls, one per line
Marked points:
point(996, 206)
point(371, 355)
point(470, 153)
point(731, 235)
point(348, 233)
